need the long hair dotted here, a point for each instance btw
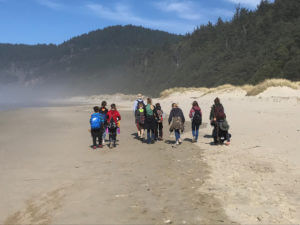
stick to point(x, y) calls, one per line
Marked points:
point(195, 103)
point(217, 101)
point(149, 101)
point(157, 105)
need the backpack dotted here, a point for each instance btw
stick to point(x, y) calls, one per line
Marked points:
point(112, 124)
point(160, 116)
point(102, 117)
point(141, 116)
point(95, 121)
point(219, 112)
point(138, 102)
point(177, 123)
point(197, 119)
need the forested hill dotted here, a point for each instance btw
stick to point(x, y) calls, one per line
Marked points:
point(97, 62)
point(253, 46)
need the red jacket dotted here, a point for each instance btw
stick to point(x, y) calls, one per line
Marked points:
point(192, 112)
point(113, 114)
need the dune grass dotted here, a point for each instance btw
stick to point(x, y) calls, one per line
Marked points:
point(166, 93)
point(251, 90)
point(261, 87)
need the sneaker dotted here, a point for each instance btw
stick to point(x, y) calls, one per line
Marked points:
point(177, 142)
point(100, 146)
point(180, 141)
point(227, 143)
point(193, 140)
point(103, 142)
point(94, 147)
point(110, 145)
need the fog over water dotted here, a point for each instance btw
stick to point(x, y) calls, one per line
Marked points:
point(18, 96)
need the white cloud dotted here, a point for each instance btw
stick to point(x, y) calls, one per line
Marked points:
point(251, 3)
point(221, 12)
point(190, 10)
point(122, 13)
point(50, 4)
point(184, 9)
point(119, 13)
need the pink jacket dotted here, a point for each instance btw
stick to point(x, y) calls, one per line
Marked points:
point(192, 112)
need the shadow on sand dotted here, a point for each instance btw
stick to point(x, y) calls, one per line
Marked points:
point(208, 136)
point(172, 142)
point(188, 140)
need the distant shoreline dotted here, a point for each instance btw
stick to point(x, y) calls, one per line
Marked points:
point(16, 106)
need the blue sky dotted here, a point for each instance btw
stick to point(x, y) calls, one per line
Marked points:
point(55, 21)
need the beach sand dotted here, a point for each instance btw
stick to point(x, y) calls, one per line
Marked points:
point(50, 175)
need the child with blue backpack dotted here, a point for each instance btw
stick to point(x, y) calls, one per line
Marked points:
point(97, 122)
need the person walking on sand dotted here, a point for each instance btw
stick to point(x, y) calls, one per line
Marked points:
point(176, 120)
point(96, 123)
point(150, 123)
point(159, 122)
point(113, 118)
point(104, 111)
point(140, 120)
point(218, 121)
point(137, 102)
point(196, 117)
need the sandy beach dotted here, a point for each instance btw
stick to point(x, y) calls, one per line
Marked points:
point(50, 175)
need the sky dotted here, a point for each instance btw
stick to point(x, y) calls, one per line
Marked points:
point(56, 21)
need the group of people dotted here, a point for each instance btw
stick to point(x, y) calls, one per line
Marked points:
point(104, 121)
point(149, 117)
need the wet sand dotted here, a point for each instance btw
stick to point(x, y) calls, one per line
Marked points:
point(50, 175)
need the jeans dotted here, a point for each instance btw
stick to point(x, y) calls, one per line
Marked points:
point(150, 137)
point(177, 135)
point(195, 130)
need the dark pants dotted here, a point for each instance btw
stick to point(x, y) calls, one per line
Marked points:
point(112, 134)
point(97, 134)
point(159, 131)
point(195, 130)
point(219, 135)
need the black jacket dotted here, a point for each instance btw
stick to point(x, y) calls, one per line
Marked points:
point(175, 112)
